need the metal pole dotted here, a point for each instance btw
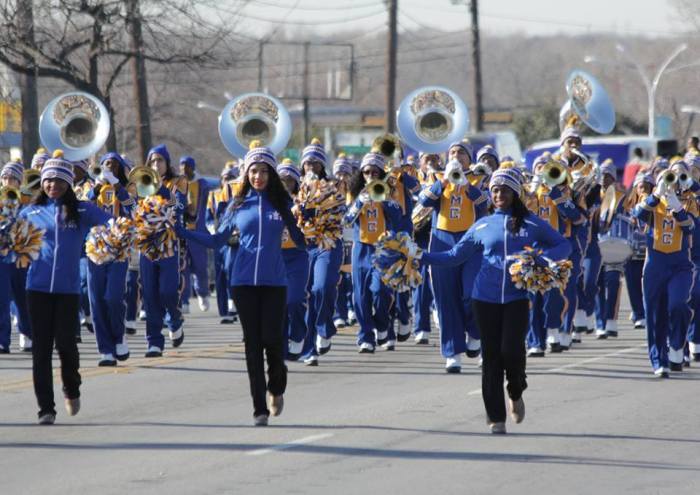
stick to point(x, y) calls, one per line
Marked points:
point(391, 66)
point(307, 122)
point(138, 69)
point(260, 66)
point(476, 59)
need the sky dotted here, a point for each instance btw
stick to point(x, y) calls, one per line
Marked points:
point(653, 18)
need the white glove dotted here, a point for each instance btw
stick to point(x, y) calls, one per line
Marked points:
point(414, 251)
point(108, 176)
point(673, 202)
point(660, 189)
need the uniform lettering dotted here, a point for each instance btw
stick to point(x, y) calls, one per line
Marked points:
point(372, 213)
point(371, 226)
point(667, 238)
point(667, 224)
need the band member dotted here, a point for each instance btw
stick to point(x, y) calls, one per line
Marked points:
point(53, 287)
point(82, 185)
point(500, 309)
point(13, 279)
point(324, 268)
point(641, 189)
point(668, 274)
point(691, 197)
point(107, 282)
point(296, 262)
point(39, 158)
point(488, 156)
point(455, 209)
point(197, 256)
point(260, 212)
point(370, 216)
point(423, 301)
point(161, 280)
point(344, 314)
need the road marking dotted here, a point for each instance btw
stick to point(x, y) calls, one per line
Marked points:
point(290, 445)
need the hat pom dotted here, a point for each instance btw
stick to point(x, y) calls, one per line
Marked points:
point(40, 151)
point(57, 154)
point(342, 155)
point(255, 143)
point(507, 164)
point(316, 141)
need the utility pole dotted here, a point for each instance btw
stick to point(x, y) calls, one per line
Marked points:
point(476, 59)
point(391, 66)
point(307, 120)
point(28, 89)
point(261, 44)
point(138, 71)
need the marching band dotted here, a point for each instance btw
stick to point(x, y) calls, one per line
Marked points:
point(506, 263)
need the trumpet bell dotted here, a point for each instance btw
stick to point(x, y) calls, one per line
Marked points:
point(146, 180)
point(670, 177)
point(254, 116)
point(77, 123)
point(431, 118)
point(455, 174)
point(589, 102)
point(9, 193)
point(378, 190)
point(389, 146)
point(554, 174)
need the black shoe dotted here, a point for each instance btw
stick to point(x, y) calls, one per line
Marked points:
point(473, 354)
point(106, 362)
point(153, 354)
point(227, 320)
point(676, 366)
point(564, 347)
point(381, 342)
point(611, 333)
point(178, 341)
point(696, 357)
point(403, 338)
point(686, 362)
point(130, 331)
point(389, 348)
point(293, 357)
point(580, 329)
point(324, 350)
point(575, 340)
point(538, 354)
point(590, 330)
point(4, 351)
point(555, 348)
point(365, 350)
point(122, 357)
point(90, 328)
point(422, 342)
point(602, 336)
point(453, 370)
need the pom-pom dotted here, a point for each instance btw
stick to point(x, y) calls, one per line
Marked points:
point(342, 155)
point(534, 273)
point(396, 258)
point(111, 242)
point(326, 206)
point(287, 161)
point(20, 240)
point(57, 154)
point(255, 143)
point(40, 151)
point(315, 141)
point(153, 221)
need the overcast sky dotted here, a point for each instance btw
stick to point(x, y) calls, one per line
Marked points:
point(534, 17)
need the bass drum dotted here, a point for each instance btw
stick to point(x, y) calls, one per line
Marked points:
point(616, 244)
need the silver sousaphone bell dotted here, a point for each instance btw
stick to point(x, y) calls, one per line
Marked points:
point(75, 122)
point(588, 103)
point(254, 116)
point(431, 118)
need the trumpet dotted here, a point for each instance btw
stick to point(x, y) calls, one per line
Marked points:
point(389, 146)
point(554, 174)
point(146, 180)
point(455, 174)
point(480, 168)
point(9, 193)
point(378, 190)
point(669, 177)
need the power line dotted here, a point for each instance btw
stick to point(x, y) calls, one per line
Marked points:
point(324, 22)
point(352, 6)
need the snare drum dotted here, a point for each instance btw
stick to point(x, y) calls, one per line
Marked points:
point(616, 244)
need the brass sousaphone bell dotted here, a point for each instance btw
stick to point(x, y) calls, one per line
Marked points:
point(588, 103)
point(75, 122)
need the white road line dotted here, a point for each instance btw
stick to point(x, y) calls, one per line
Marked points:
point(290, 445)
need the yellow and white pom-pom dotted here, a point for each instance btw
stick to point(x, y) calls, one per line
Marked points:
point(528, 275)
point(26, 242)
point(324, 227)
point(153, 221)
point(111, 242)
point(396, 258)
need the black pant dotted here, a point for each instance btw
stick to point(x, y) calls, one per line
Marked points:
point(262, 310)
point(503, 328)
point(53, 318)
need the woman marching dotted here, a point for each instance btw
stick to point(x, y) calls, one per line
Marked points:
point(161, 280)
point(107, 282)
point(370, 216)
point(259, 211)
point(501, 309)
point(53, 287)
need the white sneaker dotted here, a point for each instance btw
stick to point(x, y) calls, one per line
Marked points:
point(693, 348)
point(481, 362)
point(142, 314)
point(339, 323)
point(366, 347)
point(231, 306)
point(15, 321)
point(311, 360)
point(295, 347)
point(25, 343)
point(453, 364)
point(107, 360)
point(662, 372)
point(389, 345)
point(422, 338)
point(203, 303)
point(436, 320)
point(535, 351)
point(351, 317)
point(599, 332)
point(185, 309)
point(640, 323)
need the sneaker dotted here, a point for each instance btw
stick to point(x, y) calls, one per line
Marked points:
point(177, 337)
point(107, 360)
point(535, 352)
point(153, 352)
point(661, 373)
point(600, 334)
point(422, 338)
point(473, 347)
point(25, 343)
point(436, 319)
point(322, 345)
point(365, 348)
point(611, 328)
point(564, 341)
point(498, 428)
point(122, 350)
point(577, 337)
point(553, 339)
point(260, 420)
point(130, 327)
point(352, 319)
point(185, 309)
point(389, 345)
point(311, 360)
point(453, 364)
point(203, 302)
point(675, 366)
point(142, 315)
point(86, 322)
point(339, 323)
point(227, 320)
point(47, 419)
point(275, 403)
point(404, 332)
point(517, 410)
point(642, 323)
point(231, 306)
point(72, 406)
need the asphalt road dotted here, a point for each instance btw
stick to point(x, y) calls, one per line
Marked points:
point(393, 422)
